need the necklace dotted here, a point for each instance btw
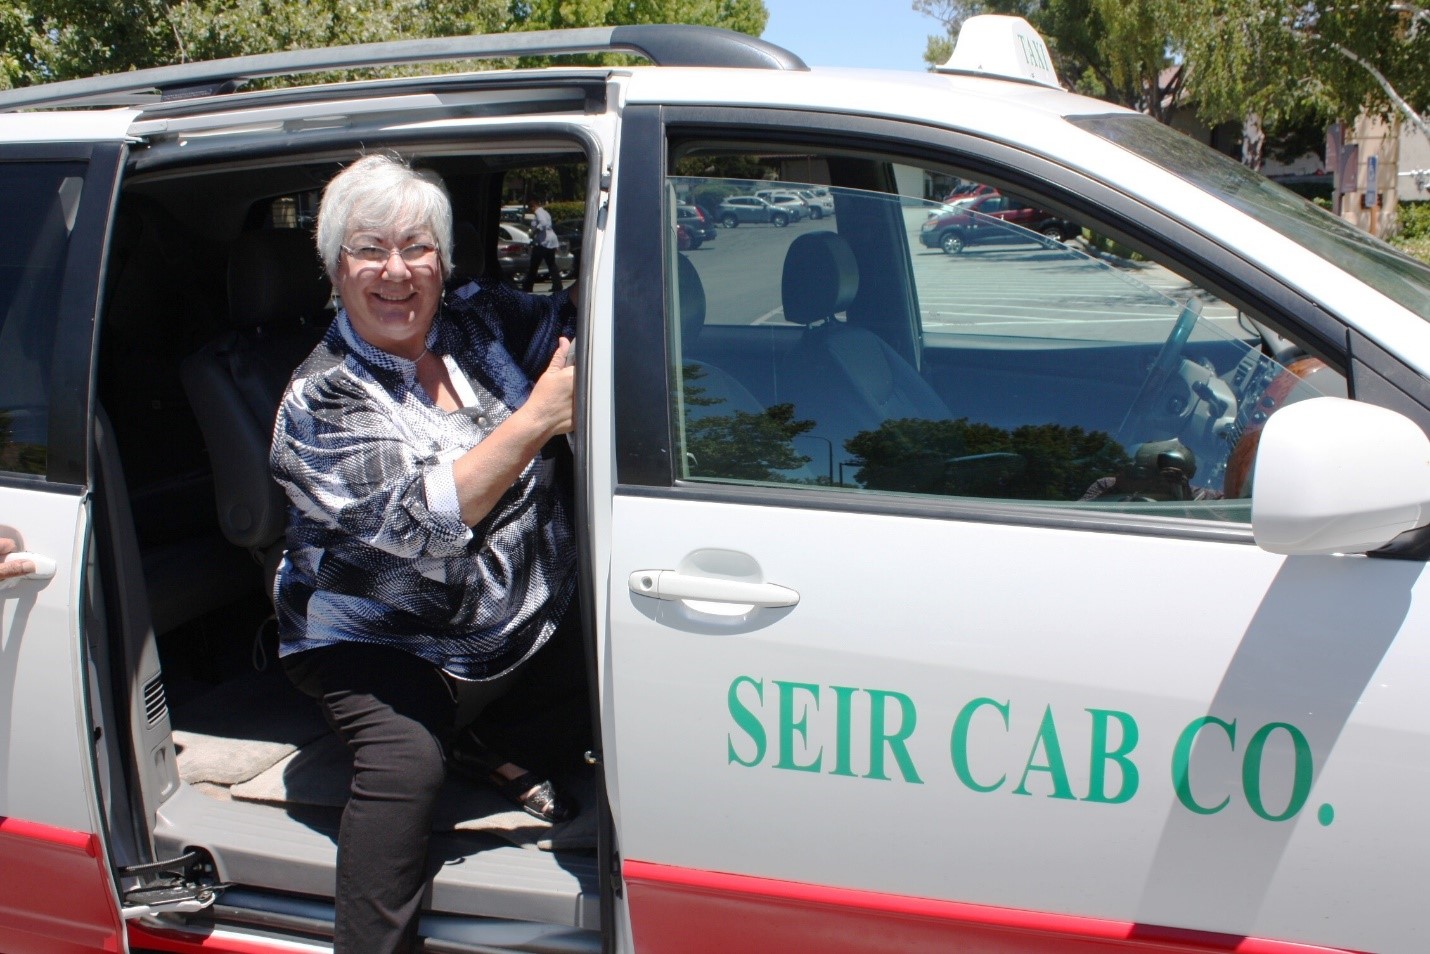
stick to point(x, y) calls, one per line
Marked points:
point(425, 353)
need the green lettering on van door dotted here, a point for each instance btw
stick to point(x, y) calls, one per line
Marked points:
point(1182, 762)
point(789, 725)
point(842, 720)
point(1057, 771)
point(1097, 770)
point(958, 743)
point(1301, 777)
point(746, 720)
point(878, 738)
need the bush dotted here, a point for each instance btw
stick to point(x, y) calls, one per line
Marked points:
point(1415, 247)
point(1414, 220)
point(566, 210)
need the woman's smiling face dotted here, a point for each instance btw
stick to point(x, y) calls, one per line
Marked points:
point(391, 303)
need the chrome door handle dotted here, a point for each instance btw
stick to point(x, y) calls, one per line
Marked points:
point(670, 585)
point(44, 568)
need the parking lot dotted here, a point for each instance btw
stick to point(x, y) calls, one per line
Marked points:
point(1060, 291)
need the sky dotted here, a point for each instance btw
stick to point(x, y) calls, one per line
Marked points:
point(881, 34)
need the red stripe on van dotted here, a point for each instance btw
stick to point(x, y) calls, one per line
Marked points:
point(687, 911)
point(55, 891)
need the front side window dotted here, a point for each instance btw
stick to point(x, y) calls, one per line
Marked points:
point(970, 345)
point(37, 217)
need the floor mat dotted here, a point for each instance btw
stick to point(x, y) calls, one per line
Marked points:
point(320, 773)
point(257, 738)
point(241, 728)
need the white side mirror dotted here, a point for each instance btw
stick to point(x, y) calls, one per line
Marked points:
point(1337, 476)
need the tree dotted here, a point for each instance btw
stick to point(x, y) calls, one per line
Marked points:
point(739, 445)
point(1119, 50)
point(1287, 60)
point(971, 459)
point(43, 40)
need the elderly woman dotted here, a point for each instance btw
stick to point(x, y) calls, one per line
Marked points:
point(429, 541)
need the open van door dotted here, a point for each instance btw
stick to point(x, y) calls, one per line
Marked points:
point(57, 891)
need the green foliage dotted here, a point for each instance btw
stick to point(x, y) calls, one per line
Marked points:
point(42, 40)
point(566, 210)
point(962, 458)
point(1414, 220)
point(741, 445)
point(1414, 236)
point(1417, 248)
point(1115, 49)
point(1295, 61)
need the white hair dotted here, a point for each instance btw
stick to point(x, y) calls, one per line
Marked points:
point(381, 193)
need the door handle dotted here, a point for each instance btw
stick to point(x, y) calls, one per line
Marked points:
point(44, 568)
point(671, 585)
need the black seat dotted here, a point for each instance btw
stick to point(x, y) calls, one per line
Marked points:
point(845, 378)
point(711, 392)
point(277, 296)
point(714, 391)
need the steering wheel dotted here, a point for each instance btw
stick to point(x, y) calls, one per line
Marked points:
point(1168, 361)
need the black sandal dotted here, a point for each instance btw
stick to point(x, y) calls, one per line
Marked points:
point(534, 795)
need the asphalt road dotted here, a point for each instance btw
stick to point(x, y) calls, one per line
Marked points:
point(1025, 288)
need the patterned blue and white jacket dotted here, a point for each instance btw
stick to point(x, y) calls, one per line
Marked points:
point(376, 549)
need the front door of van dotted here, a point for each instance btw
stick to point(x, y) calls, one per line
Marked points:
point(928, 631)
point(58, 893)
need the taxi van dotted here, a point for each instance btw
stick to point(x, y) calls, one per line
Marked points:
point(1053, 596)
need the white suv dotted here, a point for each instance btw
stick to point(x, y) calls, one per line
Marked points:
point(1025, 598)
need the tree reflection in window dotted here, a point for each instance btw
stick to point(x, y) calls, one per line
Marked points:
point(967, 459)
point(730, 436)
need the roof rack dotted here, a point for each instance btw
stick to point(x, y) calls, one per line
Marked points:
point(662, 44)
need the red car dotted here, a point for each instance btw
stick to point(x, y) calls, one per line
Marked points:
point(980, 219)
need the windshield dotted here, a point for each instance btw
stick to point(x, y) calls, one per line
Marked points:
point(1378, 265)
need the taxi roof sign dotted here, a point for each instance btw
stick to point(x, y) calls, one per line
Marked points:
point(995, 45)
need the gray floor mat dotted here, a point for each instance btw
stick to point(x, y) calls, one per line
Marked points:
point(259, 739)
point(320, 773)
point(243, 727)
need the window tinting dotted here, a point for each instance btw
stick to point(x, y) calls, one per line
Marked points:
point(37, 217)
point(964, 348)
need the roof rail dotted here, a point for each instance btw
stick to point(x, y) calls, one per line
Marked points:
point(662, 44)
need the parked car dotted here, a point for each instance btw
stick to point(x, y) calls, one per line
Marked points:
point(968, 190)
point(701, 228)
point(819, 201)
point(752, 208)
point(985, 218)
point(514, 254)
point(572, 233)
point(1030, 602)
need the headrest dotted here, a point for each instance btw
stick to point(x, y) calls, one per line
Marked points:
point(468, 261)
point(274, 275)
point(692, 300)
point(821, 277)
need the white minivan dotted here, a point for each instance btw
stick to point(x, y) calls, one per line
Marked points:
point(1054, 596)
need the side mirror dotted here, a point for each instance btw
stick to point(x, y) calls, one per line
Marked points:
point(1337, 476)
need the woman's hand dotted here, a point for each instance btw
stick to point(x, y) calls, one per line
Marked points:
point(484, 473)
point(13, 569)
point(553, 397)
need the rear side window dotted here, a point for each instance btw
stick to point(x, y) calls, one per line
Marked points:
point(37, 219)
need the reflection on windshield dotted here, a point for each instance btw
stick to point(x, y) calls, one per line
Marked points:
point(1394, 275)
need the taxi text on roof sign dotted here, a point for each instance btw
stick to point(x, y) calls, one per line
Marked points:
point(1003, 46)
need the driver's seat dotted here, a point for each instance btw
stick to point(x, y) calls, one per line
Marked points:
point(845, 378)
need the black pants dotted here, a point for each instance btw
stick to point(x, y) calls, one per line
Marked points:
point(396, 713)
point(540, 254)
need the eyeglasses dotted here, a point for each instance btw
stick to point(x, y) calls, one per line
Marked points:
point(377, 255)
